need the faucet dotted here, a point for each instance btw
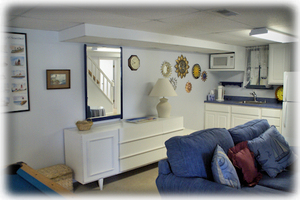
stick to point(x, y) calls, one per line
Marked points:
point(254, 95)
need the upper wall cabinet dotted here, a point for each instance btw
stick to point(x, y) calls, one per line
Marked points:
point(279, 61)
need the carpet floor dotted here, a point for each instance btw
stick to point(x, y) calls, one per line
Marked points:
point(140, 182)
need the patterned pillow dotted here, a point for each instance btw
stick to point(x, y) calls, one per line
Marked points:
point(223, 170)
point(271, 151)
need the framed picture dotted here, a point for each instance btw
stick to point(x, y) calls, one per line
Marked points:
point(58, 79)
point(15, 73)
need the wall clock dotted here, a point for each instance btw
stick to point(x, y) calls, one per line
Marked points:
point(279, 93)
point(166, 69)
point(182, 66)
point(196, 71)
point(133, 62)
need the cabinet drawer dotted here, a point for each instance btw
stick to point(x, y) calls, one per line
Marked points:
point(141, 159)
point(172, 124)
point(140, 146)
point(271, 112)
point(139, 131)
point(217, 107)
point(245, 110)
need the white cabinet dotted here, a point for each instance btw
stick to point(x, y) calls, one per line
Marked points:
point(229, 116)
point(217, 116)
point(112, 148)
point(242, 114)
point(279, 61)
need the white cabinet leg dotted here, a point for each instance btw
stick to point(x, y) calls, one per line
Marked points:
point(100, 181)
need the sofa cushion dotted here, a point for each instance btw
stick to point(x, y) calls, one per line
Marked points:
point(191, 155)
point(271, 151)
point(243, 160)
point(249, 130)
point(285, 181)
point(223, 170)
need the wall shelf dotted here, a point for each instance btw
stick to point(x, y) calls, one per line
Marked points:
point(224, 83)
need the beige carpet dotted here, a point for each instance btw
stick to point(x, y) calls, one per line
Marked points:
point(140, 182)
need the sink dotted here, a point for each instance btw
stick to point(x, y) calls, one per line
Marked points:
point(252, 102)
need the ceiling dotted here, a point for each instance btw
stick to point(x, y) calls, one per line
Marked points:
point(197, 21)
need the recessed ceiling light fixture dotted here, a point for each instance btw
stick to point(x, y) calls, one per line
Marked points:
point(266, 34)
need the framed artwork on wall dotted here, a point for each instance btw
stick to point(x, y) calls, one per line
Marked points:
point(58, 79)
point(15, 73)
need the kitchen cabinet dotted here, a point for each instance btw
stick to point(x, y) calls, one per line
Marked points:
point(279, 62)
point(111, 148)
point(217, 116)
point(228, 116)
point(242, 114)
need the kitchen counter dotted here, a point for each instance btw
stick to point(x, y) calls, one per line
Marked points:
point(234, 100)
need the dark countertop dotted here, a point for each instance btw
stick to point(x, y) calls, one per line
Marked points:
point(233, 100)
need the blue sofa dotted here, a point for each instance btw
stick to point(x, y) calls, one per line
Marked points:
point(187, 170)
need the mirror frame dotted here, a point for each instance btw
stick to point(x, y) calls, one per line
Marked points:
point(118, 116)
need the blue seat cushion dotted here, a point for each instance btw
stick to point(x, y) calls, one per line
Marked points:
point(249, 130)
point(191, 155)
point(271, 151)
point(284, 181)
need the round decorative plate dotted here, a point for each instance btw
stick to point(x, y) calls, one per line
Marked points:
point(196, 71)
point(279, 93)
point(182, 66)
point(204, 76)
point(188, 87)
point(166, 69)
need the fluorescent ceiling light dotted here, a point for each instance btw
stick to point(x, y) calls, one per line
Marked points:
point(266, 34)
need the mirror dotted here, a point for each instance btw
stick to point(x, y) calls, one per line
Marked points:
point(103, 82)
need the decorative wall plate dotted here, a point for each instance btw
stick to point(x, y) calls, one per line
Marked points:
point(188, 87)
point(204, 76)
point(182, 66)
point(166, 69)
point(173, 81)
point(196, 71)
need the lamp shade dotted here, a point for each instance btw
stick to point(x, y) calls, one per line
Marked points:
point(163, 88)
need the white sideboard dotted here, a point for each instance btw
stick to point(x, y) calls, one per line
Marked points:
point(111, 148)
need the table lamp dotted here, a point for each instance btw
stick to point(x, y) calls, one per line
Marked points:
point(163, 88)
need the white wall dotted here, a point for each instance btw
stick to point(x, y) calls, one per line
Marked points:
point(138, 84)
point(36, 137)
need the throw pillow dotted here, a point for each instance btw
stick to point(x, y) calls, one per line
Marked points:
point(243, 160)
point(223, 170)
point(271, 151)
point(249, 130)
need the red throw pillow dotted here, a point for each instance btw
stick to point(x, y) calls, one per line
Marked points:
point(242, 158)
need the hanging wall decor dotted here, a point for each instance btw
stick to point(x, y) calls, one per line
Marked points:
point(196, 71)
point(134, 62)
point(204, 76)
point(166, 69)
point(188, 87)
point(16, 87)
point(58, 79)
point(182, 66)
point(173, 82)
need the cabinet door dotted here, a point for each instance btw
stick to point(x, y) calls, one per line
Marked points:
point(238, 119)
point(102, 155)
point(216, 120)
point(279, 61)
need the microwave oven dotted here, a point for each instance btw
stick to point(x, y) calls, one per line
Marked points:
point(222, 61)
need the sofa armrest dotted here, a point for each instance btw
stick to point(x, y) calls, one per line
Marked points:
point(164, 167)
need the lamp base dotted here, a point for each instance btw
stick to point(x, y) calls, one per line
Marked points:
point(163, 108)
